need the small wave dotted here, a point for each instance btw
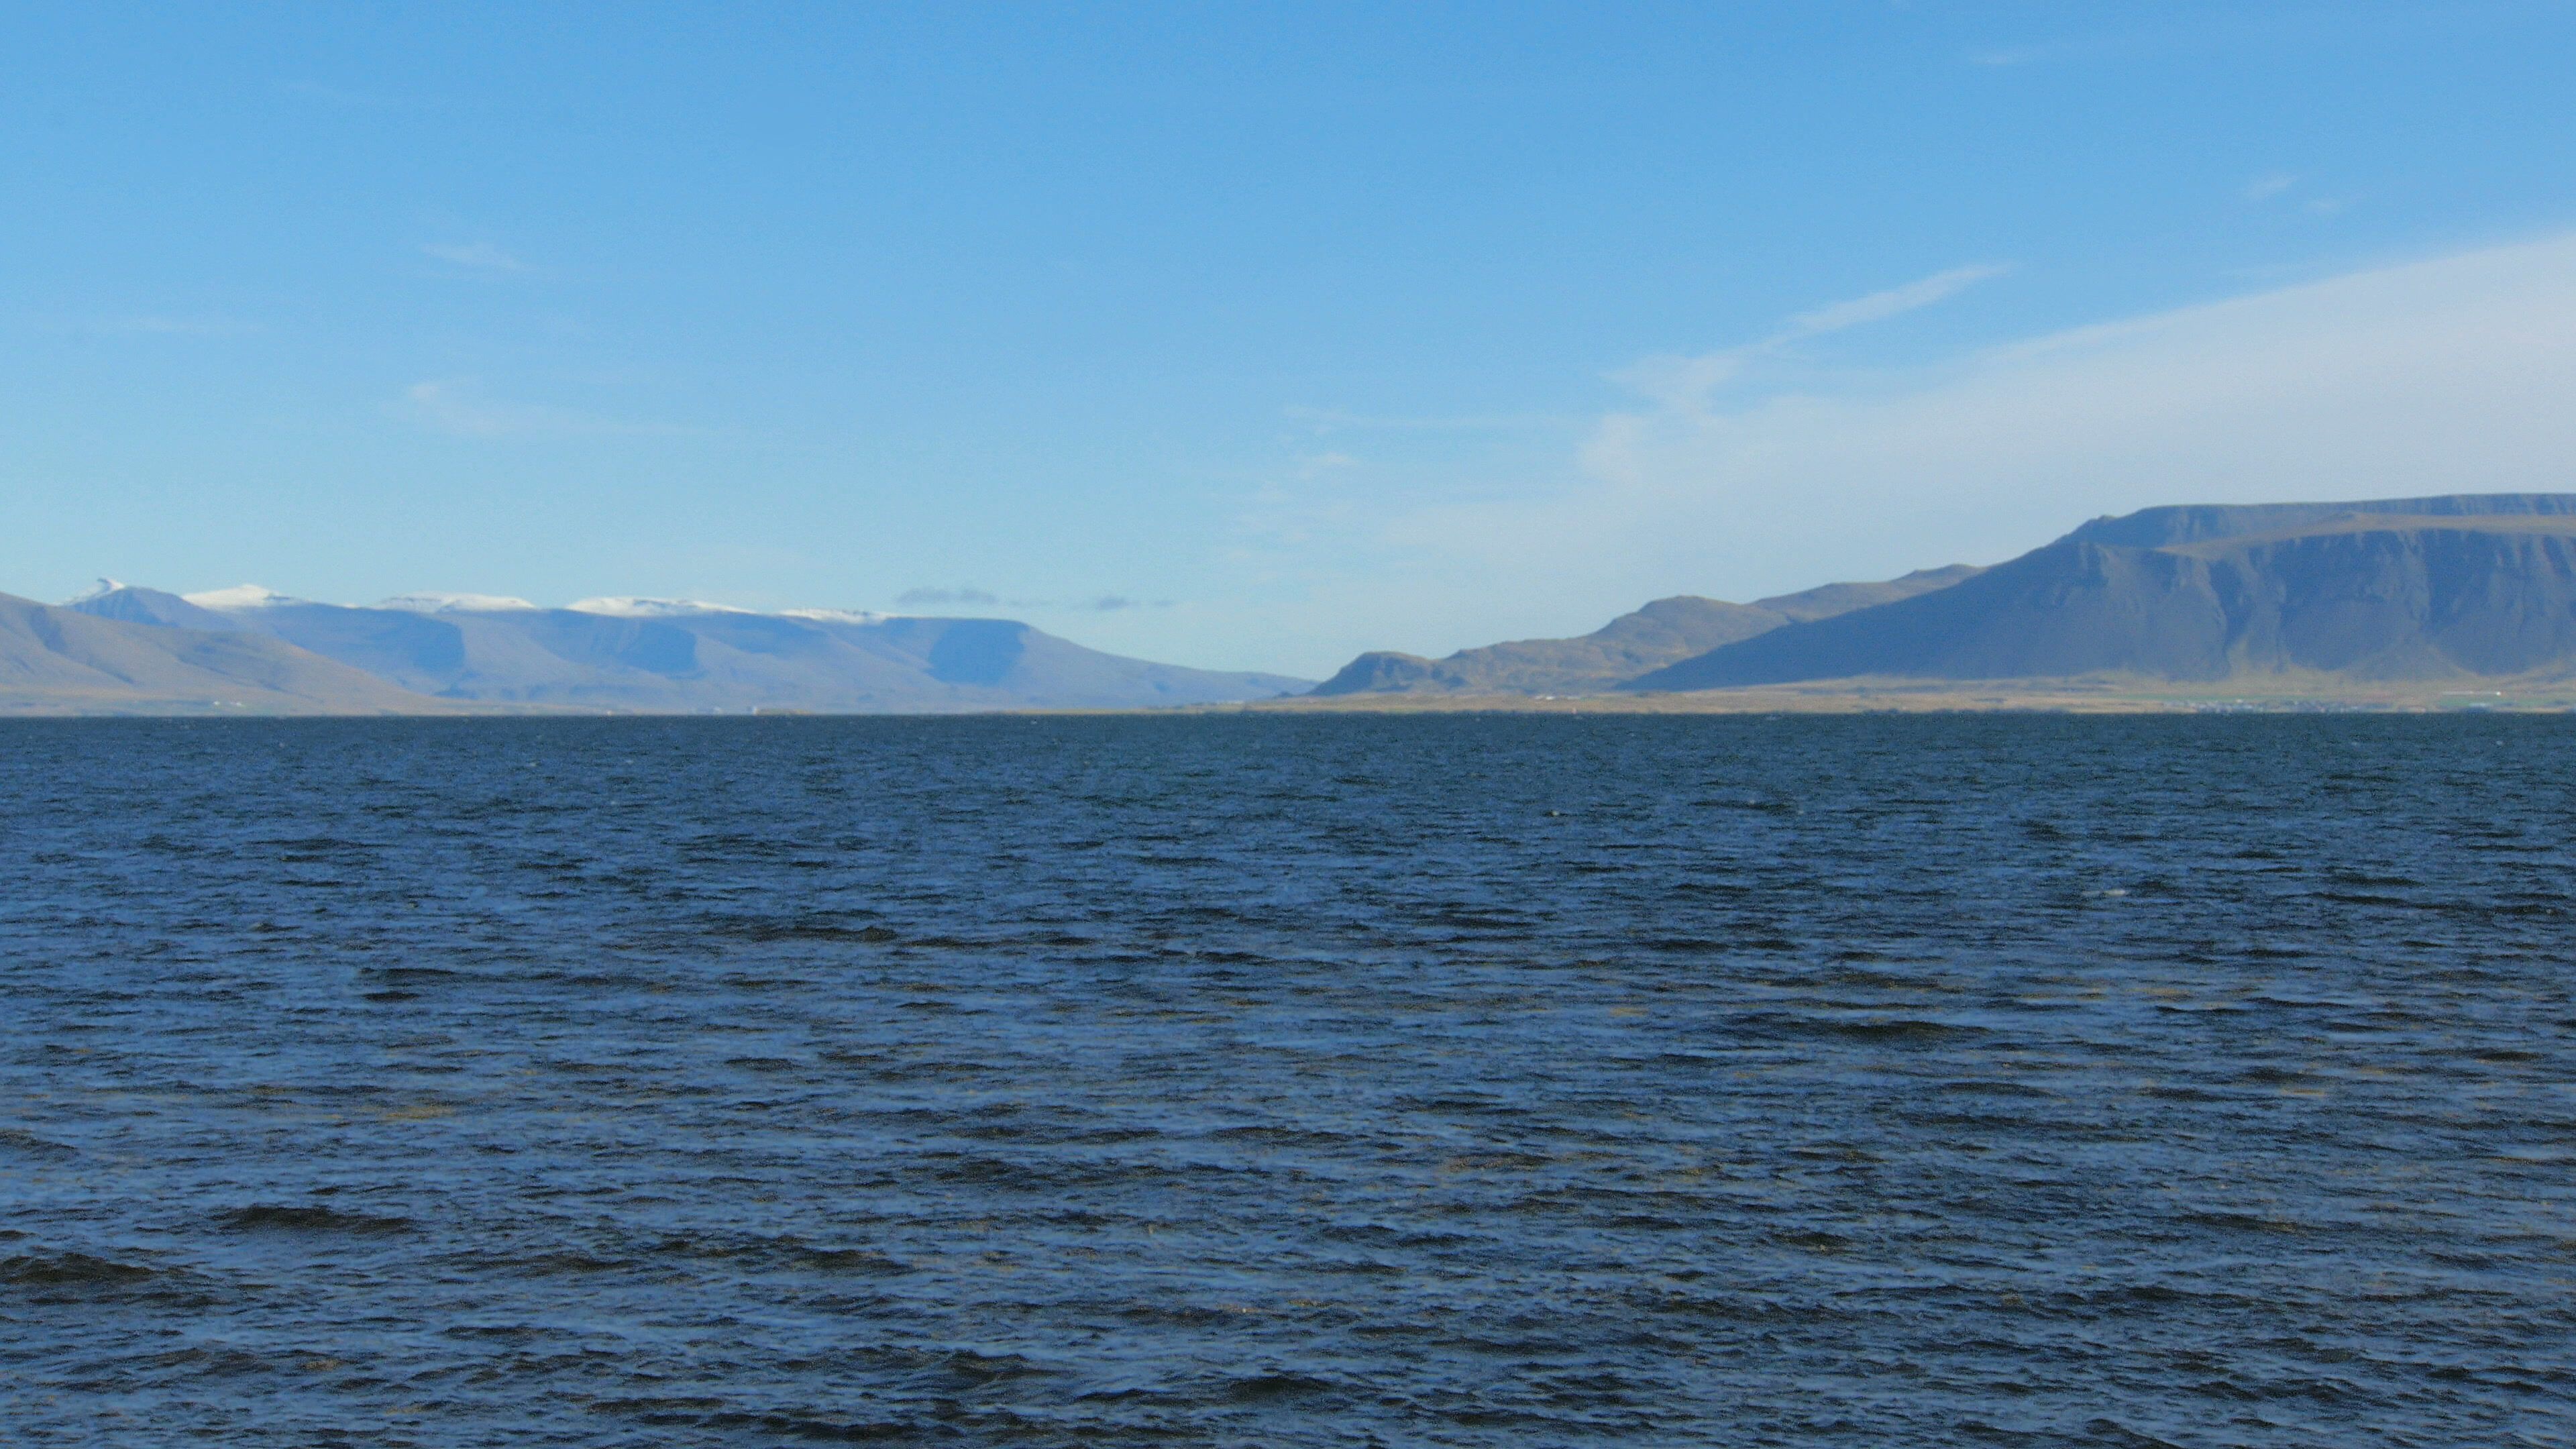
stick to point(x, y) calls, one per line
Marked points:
point(1264, 1388)
point(15, 1140)
point(1813, 1241)
point(399, 976)
point(267, 1217)
point(849, 1260)
point(1902, 1030)
point(804, 928)
point(69, 1268)
point(2242, 1222)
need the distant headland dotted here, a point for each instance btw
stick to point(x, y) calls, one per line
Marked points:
point(2411, 602)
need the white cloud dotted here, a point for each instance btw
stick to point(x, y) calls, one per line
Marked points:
point(482, 256)
point(457, 405)
point(460, 406)
point(1687, 381)
point(1325, 420)
point(970, 595)
point(1894, 302)
point(166, 325)
point(1679, 381)
point(2456, 374)
point(344, 96)
point(2269, 185)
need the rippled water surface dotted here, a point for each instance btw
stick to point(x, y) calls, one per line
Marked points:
point(1477, 1081)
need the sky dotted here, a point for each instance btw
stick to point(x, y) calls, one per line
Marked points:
point(1251, 336)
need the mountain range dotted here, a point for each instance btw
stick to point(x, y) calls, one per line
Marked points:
point(128, 649)
point(2475, 586)
point(64, 661)
point(2471, 587)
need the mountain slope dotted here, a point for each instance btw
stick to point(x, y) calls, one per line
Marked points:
point(1041, 669)
point(113, 600)
point(648, 656)
point(55, 660)
point(1661, 633)
point(2403, 589)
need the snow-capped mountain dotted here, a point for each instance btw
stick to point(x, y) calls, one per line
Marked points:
point(684, 656)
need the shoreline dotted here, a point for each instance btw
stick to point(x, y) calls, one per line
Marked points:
point(2285, 695)
point(1835, 697)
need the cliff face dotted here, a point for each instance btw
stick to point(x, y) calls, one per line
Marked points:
point(2178, 524)
point(2411, 589)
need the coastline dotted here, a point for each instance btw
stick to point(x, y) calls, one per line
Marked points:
point(2273, 695)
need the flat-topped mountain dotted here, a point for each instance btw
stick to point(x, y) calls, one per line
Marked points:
point(1663, 632)
point(442, 651)
point(2400, 589)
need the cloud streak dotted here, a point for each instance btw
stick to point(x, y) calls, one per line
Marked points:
point(1332, 419)
point(460, 408)
point(166, 325)
point(975, 598)
point(1687, 381)
point(481, 256)
point(2269, 185)
point(1879, 306)
point(935, 598)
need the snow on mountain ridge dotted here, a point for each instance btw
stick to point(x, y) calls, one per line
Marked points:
point(632, 608)
point(242, 597)
point(438, 603)
point(239, 596)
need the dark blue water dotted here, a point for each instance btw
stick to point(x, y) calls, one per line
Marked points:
point(1475, 1081)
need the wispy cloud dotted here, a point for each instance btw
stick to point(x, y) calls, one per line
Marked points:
point(1688, 380)
point(481, 256)
point(1879, 306)
point(346, 97)
point(2269, 185)
point(934, 598)
point(2275, 185)
point(167, 325)
point(1330, 419)
point(970, 597)
point(461, 407)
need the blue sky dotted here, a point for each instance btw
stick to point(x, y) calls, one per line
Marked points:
point(1250, 336)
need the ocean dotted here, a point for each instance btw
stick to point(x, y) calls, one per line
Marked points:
point(1259, 1080)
